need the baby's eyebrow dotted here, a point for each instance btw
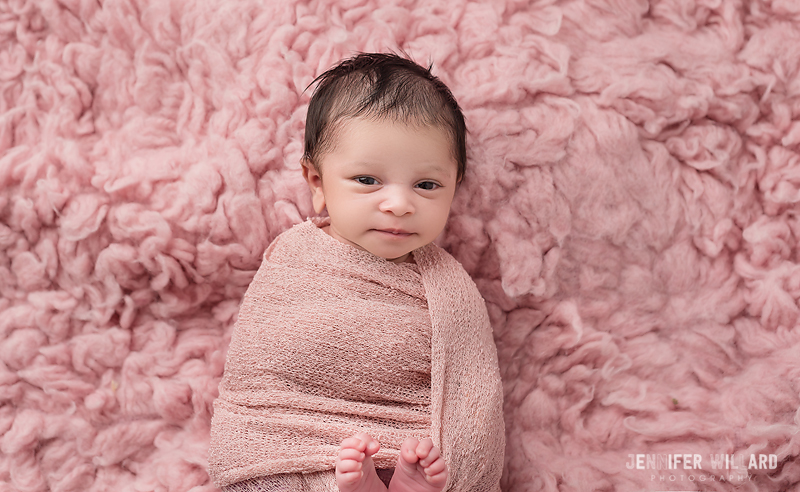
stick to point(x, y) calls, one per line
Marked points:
point(446, 170)
point(363, 164)
point(434, 170)
point(442, 169)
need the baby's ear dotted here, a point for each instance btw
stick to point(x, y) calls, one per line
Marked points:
point(314, 180)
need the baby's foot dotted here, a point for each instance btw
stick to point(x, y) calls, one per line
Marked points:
point(355, 471)
point(420, 468)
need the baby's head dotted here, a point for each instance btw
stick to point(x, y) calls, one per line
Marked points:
point(385, 147)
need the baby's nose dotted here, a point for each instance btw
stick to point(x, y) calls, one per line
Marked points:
point(397, 202)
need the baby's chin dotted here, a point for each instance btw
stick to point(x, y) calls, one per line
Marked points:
point(396, 254)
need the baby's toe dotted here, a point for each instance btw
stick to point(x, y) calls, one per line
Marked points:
point(353, 443)
point(408, 450)
point(351, 454)
point(362, 442)
point(371, 446)
point(348, 478)
point(427, 452)
point(347, 466)
point(435, 468)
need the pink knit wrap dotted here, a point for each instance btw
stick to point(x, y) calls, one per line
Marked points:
point(331, 341)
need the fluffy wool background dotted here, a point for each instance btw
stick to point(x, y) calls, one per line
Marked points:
point(630, 215)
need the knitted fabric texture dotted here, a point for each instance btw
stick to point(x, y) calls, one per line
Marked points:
point(331, 341)
point(324, 481)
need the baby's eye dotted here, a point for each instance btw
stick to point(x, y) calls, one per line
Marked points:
point(367, 180)
point(428, 185)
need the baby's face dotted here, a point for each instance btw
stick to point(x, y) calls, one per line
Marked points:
point(387, 186)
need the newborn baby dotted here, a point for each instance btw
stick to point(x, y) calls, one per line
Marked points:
point(358, 330)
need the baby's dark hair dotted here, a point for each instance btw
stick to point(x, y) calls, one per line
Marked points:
point(381, 85)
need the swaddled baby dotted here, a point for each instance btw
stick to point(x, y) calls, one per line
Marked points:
point(362, 355)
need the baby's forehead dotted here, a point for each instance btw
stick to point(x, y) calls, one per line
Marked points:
point(360, 132)
point(365, 141)
point(364, 124)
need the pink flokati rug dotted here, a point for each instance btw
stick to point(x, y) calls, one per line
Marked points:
point(631, 215)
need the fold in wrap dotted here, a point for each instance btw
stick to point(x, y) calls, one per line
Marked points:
point(327, 345)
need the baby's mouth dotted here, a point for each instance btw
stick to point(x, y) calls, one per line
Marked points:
point(394, 232)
